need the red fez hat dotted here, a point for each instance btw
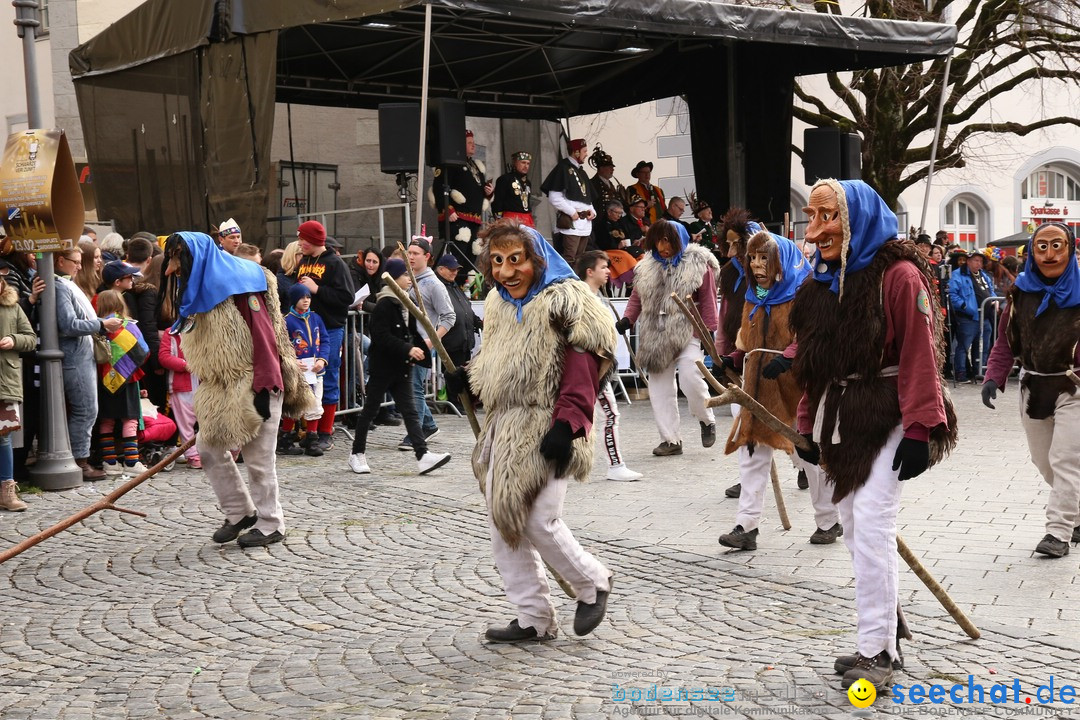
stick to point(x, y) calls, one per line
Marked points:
point(468, 133)
point(575, 145)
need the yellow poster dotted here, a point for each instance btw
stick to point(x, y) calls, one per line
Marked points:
point(39, 192)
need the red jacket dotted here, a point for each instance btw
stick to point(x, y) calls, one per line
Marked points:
point(171, 357)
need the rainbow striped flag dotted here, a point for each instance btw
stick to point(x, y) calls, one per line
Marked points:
point(129, 350)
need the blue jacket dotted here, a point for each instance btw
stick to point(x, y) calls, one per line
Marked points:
point(308, 335)
point(962, 293)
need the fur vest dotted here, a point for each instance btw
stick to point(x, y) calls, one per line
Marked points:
point(516, 375)
point(1044, 344)
point(845, 342)
point(662, 329)
point(734, 300)
point(780, 396)
point(217, 349)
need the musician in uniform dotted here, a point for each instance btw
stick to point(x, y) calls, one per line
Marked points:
point(512, 190)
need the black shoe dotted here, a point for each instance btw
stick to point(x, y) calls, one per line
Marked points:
point(803, 482)
point(309, 437)
point(387, 417)
point(708, 434)
point(313, 450)
point(513, 633)
point(405, 444)
point(740, 539)
point(589, 615)
point(1076, 534)
point(668, 448)
point(846, 662)
point(826, 537)
point(228, 532)
point(877, 671)
point(734, 491)
point(325, 442)
point(428, 434)
point(286, 444)
point(255, 538)
point(1052, 547)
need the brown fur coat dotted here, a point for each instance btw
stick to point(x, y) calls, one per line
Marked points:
point(517, 375)
point(1045, 344)
point(841, 340)
point(224, 400)
point(780, 396)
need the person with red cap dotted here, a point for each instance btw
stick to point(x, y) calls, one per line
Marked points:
point(459, 193)
point(571, 194)
point(655, 204)
point(324, 274)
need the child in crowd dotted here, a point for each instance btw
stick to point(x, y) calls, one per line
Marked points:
point(395, 346)
point(118, 391)
point(181, 385)
point(307, 333)
point(247, 251)
point(593, 269)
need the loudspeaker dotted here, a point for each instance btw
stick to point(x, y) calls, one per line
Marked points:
point(850, 157)
point(828, 153)
point(446, 132)
point(399, 132)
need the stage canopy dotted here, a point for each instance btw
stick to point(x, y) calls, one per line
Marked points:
point(177, 99)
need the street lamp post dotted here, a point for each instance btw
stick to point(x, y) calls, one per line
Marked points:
point(55, 468)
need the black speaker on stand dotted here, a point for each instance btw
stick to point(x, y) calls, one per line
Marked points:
point(446, 149)
point(829, 153)
point(399, 133)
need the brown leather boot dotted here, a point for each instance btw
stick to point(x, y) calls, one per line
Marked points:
point(8, 499)
point(89, 472)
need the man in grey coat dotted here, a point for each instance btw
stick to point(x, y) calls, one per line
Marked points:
point(437, 306)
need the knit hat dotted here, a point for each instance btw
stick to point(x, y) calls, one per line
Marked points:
point(395, 267)
point(312, 231)
point(297, 293)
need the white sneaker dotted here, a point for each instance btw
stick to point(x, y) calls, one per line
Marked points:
point(431, 461)
point(114, 469)
point(358, 464)
point(623, 474)
point(137, 469)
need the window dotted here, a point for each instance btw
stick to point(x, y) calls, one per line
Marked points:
point(962, 223)
point(43, 18)
point(1050, 183)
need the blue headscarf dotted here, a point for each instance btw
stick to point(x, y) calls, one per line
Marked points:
point(215, 276)
point(793, 270)
point(1064, 290)
point(871, 223)
point(752, 229)
point(555, 270)
point(684, 240)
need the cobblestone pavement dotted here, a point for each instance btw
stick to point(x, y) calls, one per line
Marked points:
point(375, 605)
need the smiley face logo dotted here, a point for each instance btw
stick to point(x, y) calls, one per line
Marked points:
point(862, 693)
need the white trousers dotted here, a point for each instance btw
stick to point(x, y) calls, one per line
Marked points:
point(610, 408)
point(755, 475)
point(1054, 444)
point(233, 495)
point(869, 519)
point(547, 539)
point(664, 395)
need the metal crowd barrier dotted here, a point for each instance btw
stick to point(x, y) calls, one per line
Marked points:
point(983, 315)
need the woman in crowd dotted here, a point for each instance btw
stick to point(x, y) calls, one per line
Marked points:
point(16, 336)
point(89, 276)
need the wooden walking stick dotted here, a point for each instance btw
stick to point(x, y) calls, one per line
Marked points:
point(436, 344)
point(105, 503)
point(690, 310)
point(737, 395)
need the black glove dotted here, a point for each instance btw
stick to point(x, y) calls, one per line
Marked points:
point(262, 403)
point(813, 455)
point(777, 367)
point(718, 370)
point(912, 458)
point(557, 445)
point(623, 325)
point(457, 382)
point(478, 323)
point(989, 392)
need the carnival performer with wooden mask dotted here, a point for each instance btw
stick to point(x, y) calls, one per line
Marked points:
point(236, 342)
point(1041, 326)
point(765, 351)
point(549, 345)
point(667, 341)
point(875, 407)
